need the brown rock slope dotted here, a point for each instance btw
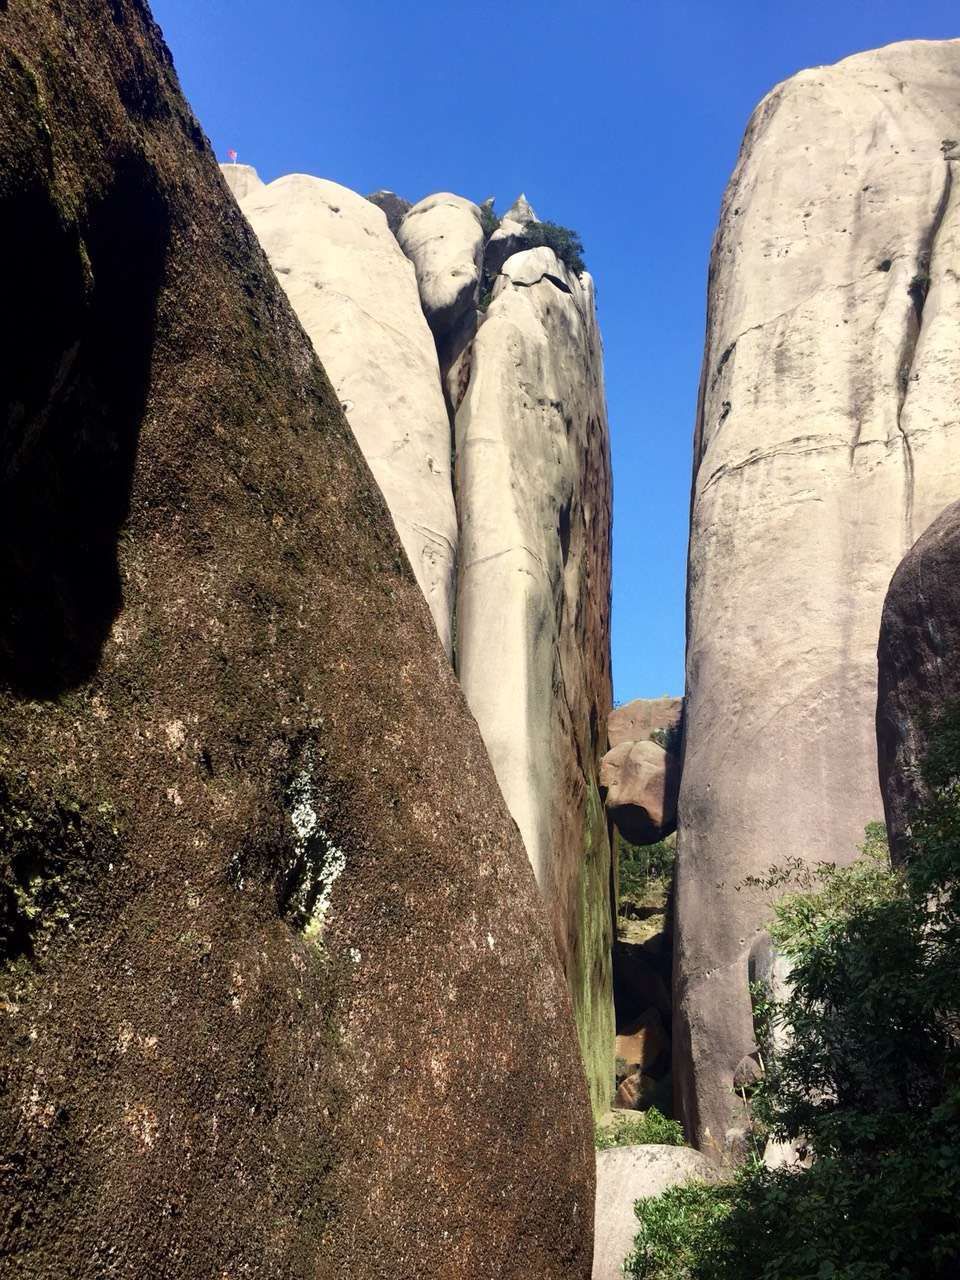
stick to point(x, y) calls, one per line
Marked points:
point(278, 996)
point(919, 666)
point(827, 434)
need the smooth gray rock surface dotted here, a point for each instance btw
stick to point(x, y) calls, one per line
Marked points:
point(628, 1174)
point(828, 436)
point(533, 495)
point(355, 293)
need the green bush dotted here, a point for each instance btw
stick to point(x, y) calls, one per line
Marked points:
point(638, 1129)
point(869, 1079)
point(644, 867)
point(566, 244)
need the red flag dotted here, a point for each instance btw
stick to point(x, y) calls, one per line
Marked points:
point(232, 156)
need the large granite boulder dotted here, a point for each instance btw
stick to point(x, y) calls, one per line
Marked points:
point(827, 437)
point(509, 237)
point(443, 237)
point(261, 904)
point(919, 667)
point(641, 782)
point(356, 295)
point(639, 720)
point(626, 1175)
point(533, 495)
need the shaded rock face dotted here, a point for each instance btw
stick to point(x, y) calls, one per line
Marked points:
point(533, 495)
point(256, 872)
point(919, 667)
point(356, 295)
point(628, 1174)
point(443, 237)
point(394, 207)
point(636, 721)
point(827, 436)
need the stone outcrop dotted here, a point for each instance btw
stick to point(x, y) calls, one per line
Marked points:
point(356, 295)
point(533, 496)
point(638, 720)
point(242, 179)
point(443, 237)
point(919, 667)
point(641, 782)
point(509, 237)
point(827, 437)
point(263, 907)
point(628, 1174)
point(394, 207)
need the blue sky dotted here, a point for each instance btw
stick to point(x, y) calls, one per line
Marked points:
point(619, 118)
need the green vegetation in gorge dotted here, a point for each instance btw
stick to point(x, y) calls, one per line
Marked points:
point(869, 1079)
point(639, 1128)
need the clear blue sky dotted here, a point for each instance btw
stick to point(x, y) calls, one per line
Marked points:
point(621, 119)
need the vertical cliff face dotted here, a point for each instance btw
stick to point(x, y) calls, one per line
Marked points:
point(827, 436)
point(533, 642)
point(517, 389)
point(276, 992)
point(356, 295)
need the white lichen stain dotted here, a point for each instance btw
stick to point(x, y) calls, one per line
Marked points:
point(141, 1123)
point(173, 795)
point(176, 732)
point(323, 862)
point(490, 941)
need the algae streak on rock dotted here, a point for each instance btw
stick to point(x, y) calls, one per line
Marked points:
point(827, 438)
point(226, 725)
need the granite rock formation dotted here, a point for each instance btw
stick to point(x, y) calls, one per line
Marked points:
point(394, 207)
point(533, 496)
point(356, 295)
point(919, 667)
point(242, 179)
point(641, 782)
point(827, 437)
point(257, 874)
point(443, 237)
point(628, 1174)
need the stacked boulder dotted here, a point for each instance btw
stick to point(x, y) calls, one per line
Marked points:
point(641, 771)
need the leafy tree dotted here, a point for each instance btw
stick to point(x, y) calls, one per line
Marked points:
point(869, 1079)
point(566, 244)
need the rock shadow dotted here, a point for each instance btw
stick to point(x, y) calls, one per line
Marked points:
point(81, 303)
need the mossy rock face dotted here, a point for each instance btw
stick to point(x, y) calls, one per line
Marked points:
point(248, 829)
point(592, 977)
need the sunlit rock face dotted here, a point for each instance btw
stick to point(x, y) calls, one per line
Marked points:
point(533, 644)
point(827, 439)
point(356, 295)
point(277, 992)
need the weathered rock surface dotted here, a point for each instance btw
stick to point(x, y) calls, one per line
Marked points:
point(394, 207)
point(533, 495)
point(257, 875)
point(642, 782)
point(628, 1174)
point(635, 721)
point(509, 237)
point(443, 237)
point(356, 295)
point(919, 667)
point(242, 179)
point(827, 436)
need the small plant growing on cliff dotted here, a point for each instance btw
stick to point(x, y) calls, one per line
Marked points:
point(489, 221)
point(869, 1077)
point(564, 242)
